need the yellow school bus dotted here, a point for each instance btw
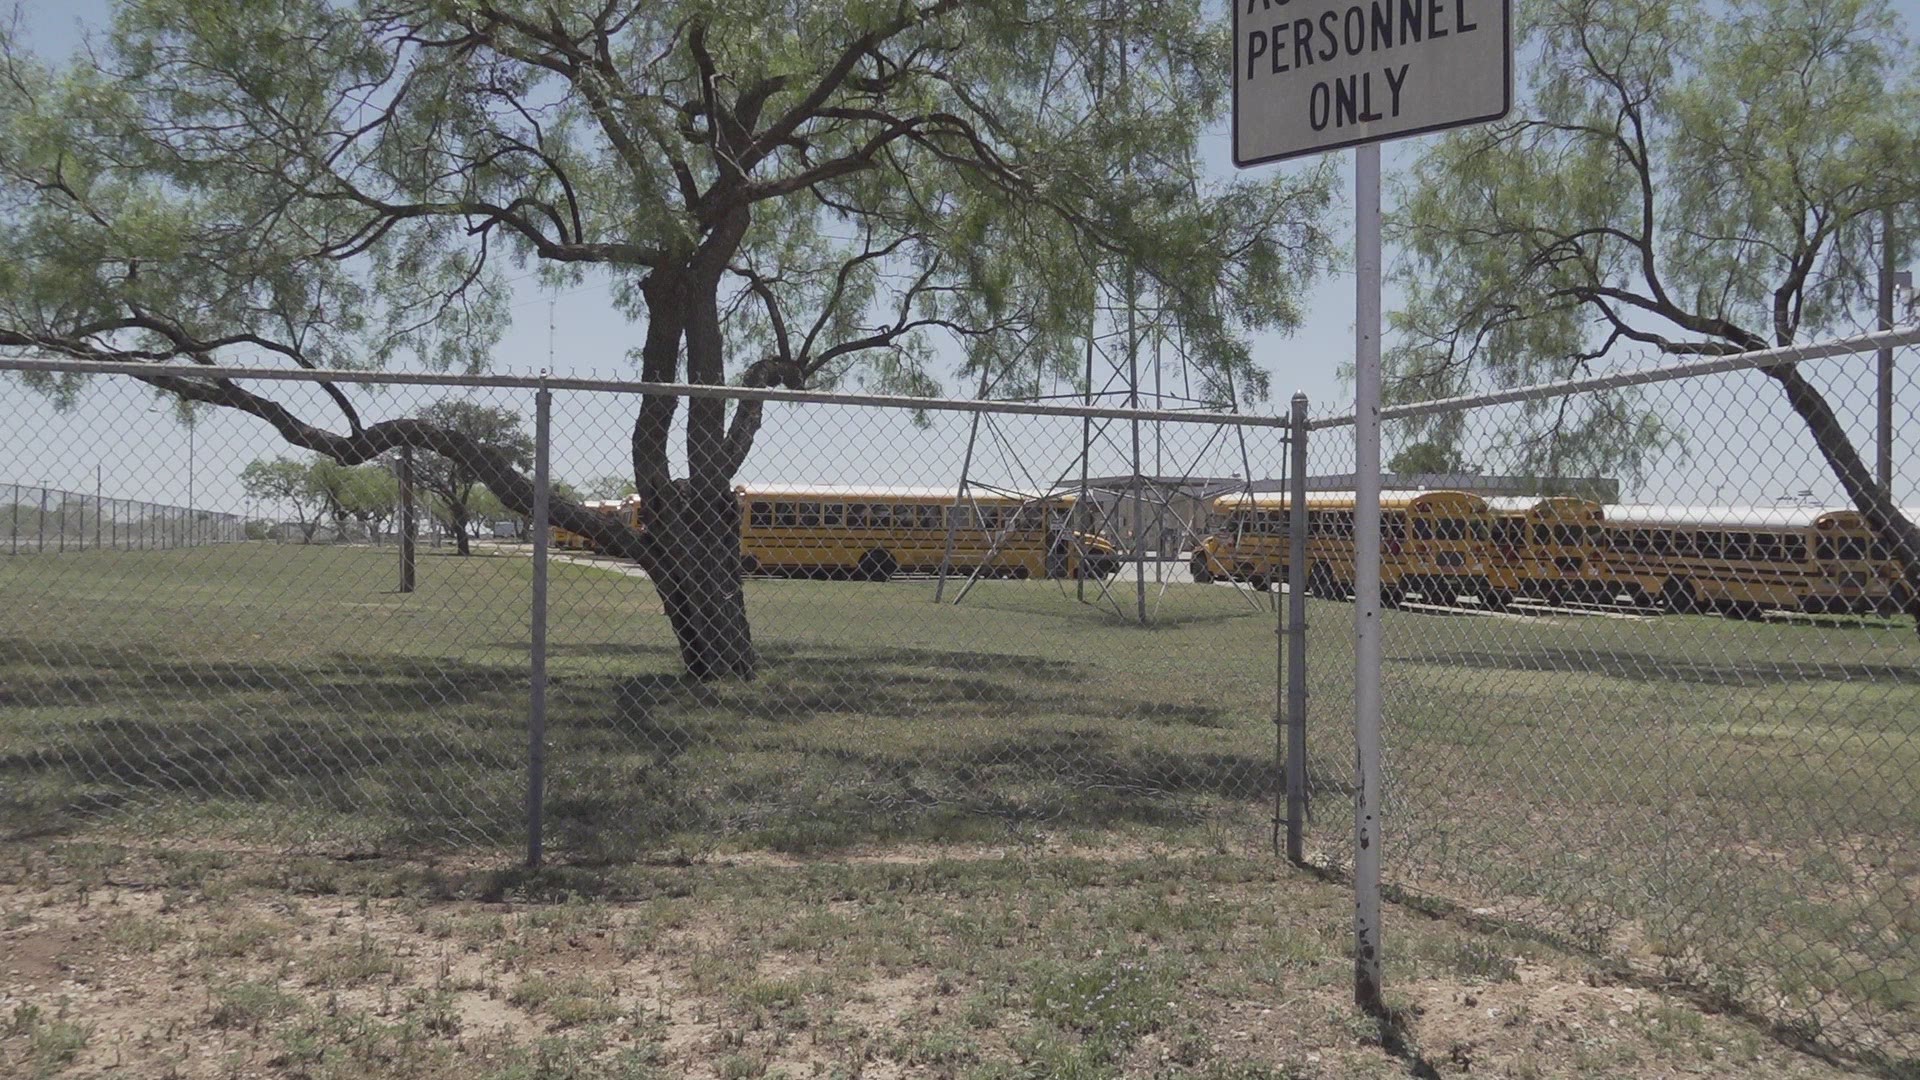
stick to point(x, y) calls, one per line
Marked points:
point(1744, 559)
point(873, 533)
point(1437, 544)
point(625, 510)
point(1552, 546)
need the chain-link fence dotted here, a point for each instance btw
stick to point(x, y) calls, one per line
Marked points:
point(38, 520)
point(962, 623)
point(1651, 678)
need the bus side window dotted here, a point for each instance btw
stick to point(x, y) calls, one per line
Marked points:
point(783, 514)
point(760, 515)
point(1769, 547)
point(880, 516)
point(831, 514)
point(808, 515)
point(856, 515)
point(902, 516)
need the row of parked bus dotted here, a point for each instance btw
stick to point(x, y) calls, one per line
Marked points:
point(871, 534)
point(1443, 545)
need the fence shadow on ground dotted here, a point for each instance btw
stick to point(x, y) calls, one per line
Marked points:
point(1646, 667)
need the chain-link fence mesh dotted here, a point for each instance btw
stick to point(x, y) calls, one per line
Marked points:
point(1656, 696)
point(1063, 675)
point(38, 520)
point(1651, 684)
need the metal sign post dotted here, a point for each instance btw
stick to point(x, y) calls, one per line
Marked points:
point(1366, 579)
point(1311, 76)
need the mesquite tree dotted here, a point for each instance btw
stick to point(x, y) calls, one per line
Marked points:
point(1697, 179)
point(787, 194)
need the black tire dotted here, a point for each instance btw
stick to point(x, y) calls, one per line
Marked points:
point(1202, 571)
point(1497, 599)
point(1677, 596)
point(1322, 583)
point(878, 565)
point(1258, 582)
point(749, 566)
point(1021, 573)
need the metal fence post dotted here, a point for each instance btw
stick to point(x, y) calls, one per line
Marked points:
point(1883, 426)
point(41, 525)
point(14, 533)
point(407, 519)
point(537, 693)
point(1297, 637)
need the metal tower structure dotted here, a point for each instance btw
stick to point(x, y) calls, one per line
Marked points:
point(1127, 364)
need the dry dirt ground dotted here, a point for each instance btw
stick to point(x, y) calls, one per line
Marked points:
point(1038, 960)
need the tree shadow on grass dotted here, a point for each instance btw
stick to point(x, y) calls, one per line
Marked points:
point(828, 748)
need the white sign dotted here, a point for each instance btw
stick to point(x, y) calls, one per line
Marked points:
point(1317, 75)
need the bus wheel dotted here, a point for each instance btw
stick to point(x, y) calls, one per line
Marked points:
point(1202, 573)
point(1321, 583)
point(1391, 597)
point(1021, 573)
point(1497, 599)
point(1258, 582)
point(749, 565)
point(1676, 595)
point(877, 565)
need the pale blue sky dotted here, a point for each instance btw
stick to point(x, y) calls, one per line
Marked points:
point(144, 453)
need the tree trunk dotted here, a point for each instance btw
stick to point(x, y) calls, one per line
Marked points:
point(461, 546)
point(695, 533)
point(1898, 534)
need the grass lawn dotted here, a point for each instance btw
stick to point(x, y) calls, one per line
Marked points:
point(204, 735)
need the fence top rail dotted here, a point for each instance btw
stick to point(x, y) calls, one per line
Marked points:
point(617, 386)
point(1858, 345)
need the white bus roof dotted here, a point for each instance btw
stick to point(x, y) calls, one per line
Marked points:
point(1745, 517)
point(975, 492)
point(1508, 504)
point(1275, 500)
